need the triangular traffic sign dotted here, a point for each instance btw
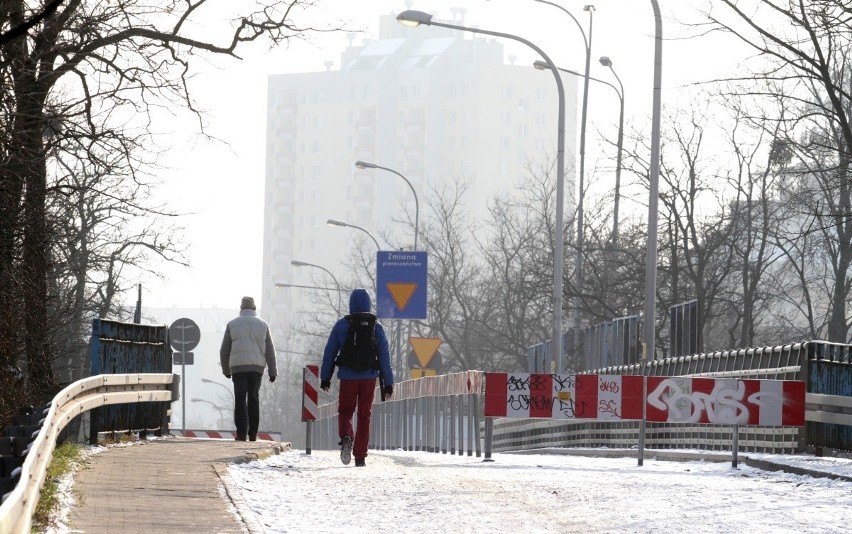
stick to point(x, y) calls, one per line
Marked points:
point(401, 293)
point(425, 349)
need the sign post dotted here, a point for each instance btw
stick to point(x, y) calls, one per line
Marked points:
point(401, 278)
point(184, 336)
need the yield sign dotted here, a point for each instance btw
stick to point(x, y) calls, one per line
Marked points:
point(425, 349)
point(401, 293)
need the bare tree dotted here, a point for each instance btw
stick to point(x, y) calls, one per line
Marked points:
point(802, 58)
point(519, 260)
point(90, 73)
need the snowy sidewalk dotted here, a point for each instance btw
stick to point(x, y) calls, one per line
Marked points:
point(428, 493)
point(162, 485)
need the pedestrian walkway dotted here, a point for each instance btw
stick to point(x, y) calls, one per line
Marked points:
point(163, 485)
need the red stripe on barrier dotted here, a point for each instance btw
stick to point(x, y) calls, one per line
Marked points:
point(631, 397)
point(586, 391)
point(220, 434)
point(310, 393)
point(496, 392)
point(793, 413)
point(541, 395)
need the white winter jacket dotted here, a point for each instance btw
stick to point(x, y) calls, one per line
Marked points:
point(247, 346)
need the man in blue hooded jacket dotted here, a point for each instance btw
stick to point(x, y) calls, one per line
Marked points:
point(356, 386)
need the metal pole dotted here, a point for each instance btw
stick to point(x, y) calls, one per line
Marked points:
point(653, 189)
point(618, 159)
point(308, 436)
point(183, 381)
point(736, 445)
point(578, 260)
point(642, 423)
point(489, 438)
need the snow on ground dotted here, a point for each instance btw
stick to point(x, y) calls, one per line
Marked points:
point(414, 492)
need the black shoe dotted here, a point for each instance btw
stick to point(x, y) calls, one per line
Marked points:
point(240, 437)
point(345, 450)
point(253, 438)
point(359, 462)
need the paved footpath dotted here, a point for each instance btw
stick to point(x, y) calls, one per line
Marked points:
point(163, 485)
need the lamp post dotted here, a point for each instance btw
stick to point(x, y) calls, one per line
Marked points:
point(416, 18)
point(283, 285)
point(653, 188)
point(219, 408)
point(226, 388)
point(541, 65)
point(297, 263)
point(607, 62)
point(578, 259)
point(366, 165)
point(333, 222)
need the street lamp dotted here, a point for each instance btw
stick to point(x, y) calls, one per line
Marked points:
point(366, 165)
point(541, 65)
point(333, 222)
point(208, 381)
point(416, 18)
point(578, 260)
point(213, 404)
point(607, 62)
point(653, 188)
point(282, 284)
point(297, 263)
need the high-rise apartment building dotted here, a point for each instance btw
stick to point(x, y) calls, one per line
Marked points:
point(430, 103)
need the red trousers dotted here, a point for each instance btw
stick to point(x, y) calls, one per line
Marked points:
point(356, 394)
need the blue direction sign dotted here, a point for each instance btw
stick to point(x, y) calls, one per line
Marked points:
point(401, 284)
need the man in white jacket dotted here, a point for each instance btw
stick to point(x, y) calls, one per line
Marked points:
point(247, 350)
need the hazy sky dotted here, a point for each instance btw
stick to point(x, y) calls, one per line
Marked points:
point(221, 185)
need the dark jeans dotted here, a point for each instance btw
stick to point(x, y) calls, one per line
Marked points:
point(246, 402)
point(356, 394)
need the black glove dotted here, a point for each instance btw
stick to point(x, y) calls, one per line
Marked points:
point(387, 392)
point(272, 378)
point(325, 385)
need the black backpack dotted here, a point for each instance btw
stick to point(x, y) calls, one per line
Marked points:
point(360, 351)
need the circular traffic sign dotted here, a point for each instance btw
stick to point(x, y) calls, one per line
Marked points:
point(184, 335)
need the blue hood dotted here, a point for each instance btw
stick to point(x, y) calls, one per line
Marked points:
point(359, 301)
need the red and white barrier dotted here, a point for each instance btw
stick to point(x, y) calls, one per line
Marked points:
point(607, 397)
point(726, 401)
point(310, 397)
point(669, 399)
point(221, 434)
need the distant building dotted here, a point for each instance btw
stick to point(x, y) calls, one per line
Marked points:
point(430, 103)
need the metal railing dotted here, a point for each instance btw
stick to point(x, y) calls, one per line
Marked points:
point(433, 413)
point(18, 505)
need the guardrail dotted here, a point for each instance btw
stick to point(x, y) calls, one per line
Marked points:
point(18, 505)
point(434, 413)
